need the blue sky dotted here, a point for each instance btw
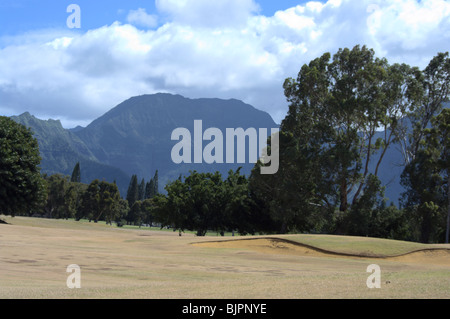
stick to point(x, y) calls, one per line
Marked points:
point(241, 49)
point(18, 16)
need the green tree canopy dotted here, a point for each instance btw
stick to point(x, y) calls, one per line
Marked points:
point(330, 144)
point(101, 201)
point(336, 108)
point(21, 184)
point(204, 201)
point(426, 179)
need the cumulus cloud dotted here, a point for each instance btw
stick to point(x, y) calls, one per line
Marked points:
point(206, 48)
point(411, 29)
point(140, 17)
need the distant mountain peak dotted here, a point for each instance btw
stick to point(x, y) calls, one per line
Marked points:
point(27, 116)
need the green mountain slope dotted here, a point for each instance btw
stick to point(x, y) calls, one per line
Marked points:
point(135, 138)
point(60, 150)
point(136, 135)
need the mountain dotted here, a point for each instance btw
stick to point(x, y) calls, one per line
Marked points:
point(136, 135)
point(60, 150)
point(390, 170)
point(135, 138)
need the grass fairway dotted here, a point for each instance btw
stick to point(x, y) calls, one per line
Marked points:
point(139, 263)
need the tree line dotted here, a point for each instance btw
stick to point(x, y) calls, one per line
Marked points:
point(204, 202)
point(64, 197)
point(330, 150)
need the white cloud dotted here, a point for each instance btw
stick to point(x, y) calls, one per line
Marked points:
point(224, 50)
point(411, 29)
point(140, 17)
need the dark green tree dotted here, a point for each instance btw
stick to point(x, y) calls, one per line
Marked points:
point(56, 189)
point(337, 106)
point(21, 185)
point(76, 174)
point(63, 197)
point(442, 131)
point(287, 200)
point(109, 202)
point(73, 197)
point(123, 210)
point(141, 190)
point(426, 179)
point(101, 201)
point(434, 90)
point(147, 209)
point(89, 202)
point(204, 202)
point(137, 214)
point(155, 183)
point(149, 189)
point(335, 109)
point(327, 139)
point(239, 213)
point(425, 151)
point(358, 220)
point(204, 205)
point(389, 222)
point(133, 191)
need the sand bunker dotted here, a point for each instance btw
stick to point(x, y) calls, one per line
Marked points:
point(287, 247)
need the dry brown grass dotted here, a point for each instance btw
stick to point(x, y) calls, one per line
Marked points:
point(118, 263)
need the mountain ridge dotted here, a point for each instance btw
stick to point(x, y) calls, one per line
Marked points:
point(60, 150)
point(134, 137)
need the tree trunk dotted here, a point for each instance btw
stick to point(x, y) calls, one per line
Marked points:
point(448, 207)
point(201, 232)
point(343, 196)
point(384, 152)
point(283, 229)
point(366, 169)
